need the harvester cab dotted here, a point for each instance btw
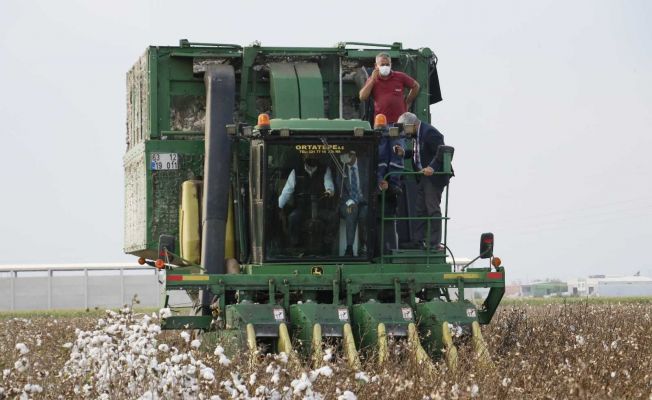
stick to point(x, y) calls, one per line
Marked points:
point(251, 184)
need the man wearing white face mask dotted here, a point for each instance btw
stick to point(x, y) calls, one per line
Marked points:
point(387, 88)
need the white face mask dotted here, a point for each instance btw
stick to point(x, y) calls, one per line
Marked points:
point(309, 169)
point(384, 70)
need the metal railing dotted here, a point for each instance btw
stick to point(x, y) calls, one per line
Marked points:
point(384, 218)
point(43, 287)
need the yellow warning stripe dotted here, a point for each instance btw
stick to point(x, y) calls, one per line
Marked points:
point(196, 277)
point(465, 275)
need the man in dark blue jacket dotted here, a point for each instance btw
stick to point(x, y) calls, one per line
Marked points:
point(353, 204)
point(429, 186)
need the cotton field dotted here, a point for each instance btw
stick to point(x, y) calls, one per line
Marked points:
point(548, 351)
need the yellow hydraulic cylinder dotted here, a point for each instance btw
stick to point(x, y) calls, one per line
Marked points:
point(317, 351)
point(349, 347)
point(451, 350)
point(420, 354)
point(190, 221)
point(284, 342)
point(480, 347)
point(251, 338)
point(382, 343)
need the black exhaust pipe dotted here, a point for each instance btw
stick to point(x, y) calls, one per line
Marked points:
point(220, 104)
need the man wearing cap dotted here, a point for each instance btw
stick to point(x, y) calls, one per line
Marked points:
point(430, 186)
point(387, 88)
point(353, 204)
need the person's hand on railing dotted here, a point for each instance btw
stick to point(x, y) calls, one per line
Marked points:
point(398, 150)
point(383, 185)
point(428, 171)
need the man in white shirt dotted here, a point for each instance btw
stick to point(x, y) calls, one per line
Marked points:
point(306, 185)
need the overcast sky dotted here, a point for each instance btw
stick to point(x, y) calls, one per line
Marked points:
point(548, 104)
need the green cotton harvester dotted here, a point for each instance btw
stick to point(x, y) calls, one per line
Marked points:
point(214, 132)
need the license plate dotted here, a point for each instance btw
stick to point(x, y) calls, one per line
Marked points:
point(164, 161)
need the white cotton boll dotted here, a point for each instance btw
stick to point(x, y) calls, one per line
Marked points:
point(506, 382)
point(195, 344)
point(301, 384)
point(455, 390)
point(329, 354)
point(147, 396)
point(580, 340)
point(224, 360)
point(163, 347)
point(347, 395)
point(39, 342)
point(185, 336)
point(282, 358)
point(104, 396)
point(362, 377)
point(191, 370)
point(325, 371)
point(21, 364)
point(35, 388)
point(22, 348)
point(275, 377)
point(215, 397)
point(6, 373)
point(207, 374)
point(165, 313)
point(270, 368)
point(67, 345)
point(252, 379)
point(219, 350)
point(153, 328)
point(475, 390)
point(176, 359)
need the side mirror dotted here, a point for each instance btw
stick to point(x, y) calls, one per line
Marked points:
point(166, 242)
point(487, 245)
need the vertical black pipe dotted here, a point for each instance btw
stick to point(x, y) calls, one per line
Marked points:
point(220, 102)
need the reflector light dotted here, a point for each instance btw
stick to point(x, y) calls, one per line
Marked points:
point(174, 278)
point(160, 264)
point(496, 262)
point(380, 121)
point(263, 120)
point(495, 275)
point(141, 261)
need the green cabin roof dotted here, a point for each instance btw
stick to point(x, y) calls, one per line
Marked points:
point(319, 124)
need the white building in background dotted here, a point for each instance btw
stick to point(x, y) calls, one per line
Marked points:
point(611, 286)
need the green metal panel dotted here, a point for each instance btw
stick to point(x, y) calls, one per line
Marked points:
point(366, 317)
point(284, 90)
point(311, 90)
point(304, 316)
point(431, 316)
point(319, 124)
point(184, 322)
point(264, 317)
point(152, 196)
